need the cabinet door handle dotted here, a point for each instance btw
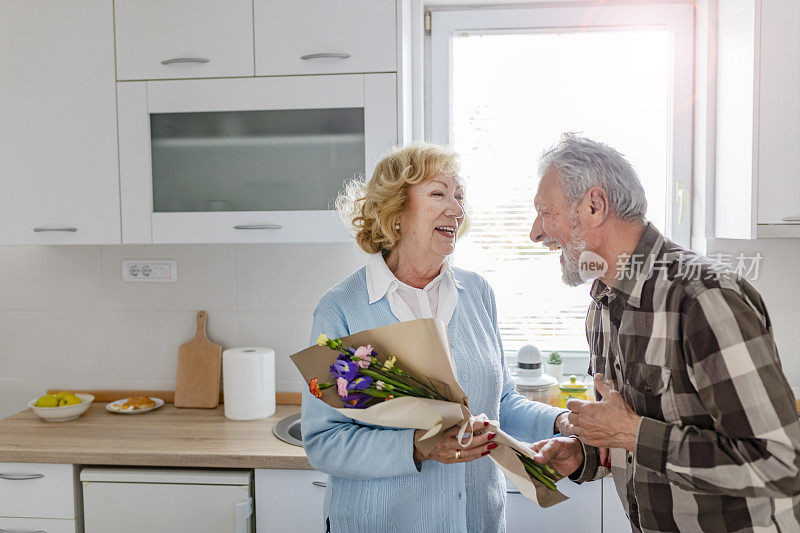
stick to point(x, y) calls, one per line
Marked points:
point(324, 55)
point(40, 229)
point(319, 484)
point(257, 226)
point(244, 511)
point(185, 60)
point(513, 491)
point(792, 219)
point(20, 476)
point(22, 530)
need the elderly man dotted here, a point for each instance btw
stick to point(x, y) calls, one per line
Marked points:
point(703, 430)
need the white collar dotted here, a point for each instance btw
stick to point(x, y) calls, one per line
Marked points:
point(380, 280)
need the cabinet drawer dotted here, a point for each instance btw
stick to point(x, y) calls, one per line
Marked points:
point(37, 490)
point(291, 36)
point(37, 525)
point(196, 39)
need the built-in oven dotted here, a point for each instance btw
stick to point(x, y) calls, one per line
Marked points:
point(247, 159)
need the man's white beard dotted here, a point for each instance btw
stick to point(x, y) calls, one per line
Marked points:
point(570, 270)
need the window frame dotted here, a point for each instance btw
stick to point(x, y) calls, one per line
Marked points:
point(677, 19)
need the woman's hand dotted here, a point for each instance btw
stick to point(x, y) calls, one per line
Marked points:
point(563, 454)
point(449, 450)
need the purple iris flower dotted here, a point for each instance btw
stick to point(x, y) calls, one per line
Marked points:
point(361, 382)
point(344, 369)
point(356, 400)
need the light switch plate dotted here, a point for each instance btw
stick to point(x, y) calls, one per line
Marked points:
point(149, 270)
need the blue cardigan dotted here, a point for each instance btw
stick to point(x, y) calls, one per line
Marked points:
point(375, 485)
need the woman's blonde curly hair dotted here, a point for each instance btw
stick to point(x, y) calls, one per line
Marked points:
point(371, 207)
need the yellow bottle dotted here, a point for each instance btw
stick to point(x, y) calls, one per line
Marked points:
point(571, 389)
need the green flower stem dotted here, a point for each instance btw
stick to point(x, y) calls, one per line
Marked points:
point(431, 391)
point(376, 393)
point(533, 472)
point(397, 384)
point(543, 470)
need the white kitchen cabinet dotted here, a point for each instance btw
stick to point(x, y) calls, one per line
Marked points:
point(324, 37)
point(247, 159)
point(166, 500)
point(183, 39)
point(758, 120)
point(581, 512)
point(38, 497)
point(614, 518)
point(38, 525)
point(290, 500)
point(58, 123)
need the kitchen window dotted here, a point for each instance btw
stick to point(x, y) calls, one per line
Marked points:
point(505, 83)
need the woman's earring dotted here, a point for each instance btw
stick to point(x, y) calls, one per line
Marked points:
point(397, 225)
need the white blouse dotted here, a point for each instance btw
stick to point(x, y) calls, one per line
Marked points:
point(437, 300)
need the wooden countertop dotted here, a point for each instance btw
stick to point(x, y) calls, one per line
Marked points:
point(168, 436)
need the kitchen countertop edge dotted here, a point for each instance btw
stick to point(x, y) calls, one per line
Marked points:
point(166, 437)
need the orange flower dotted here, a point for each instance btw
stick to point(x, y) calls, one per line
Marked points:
point(313, 387)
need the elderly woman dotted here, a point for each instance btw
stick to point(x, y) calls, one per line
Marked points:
point(408, 217)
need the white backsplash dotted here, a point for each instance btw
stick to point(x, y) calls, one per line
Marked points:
point(68, 320)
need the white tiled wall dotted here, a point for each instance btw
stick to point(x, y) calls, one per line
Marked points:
point(68, 320)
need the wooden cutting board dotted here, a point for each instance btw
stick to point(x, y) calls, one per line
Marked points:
point(199, 362)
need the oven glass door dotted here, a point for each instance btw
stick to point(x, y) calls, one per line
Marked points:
point(265, 160)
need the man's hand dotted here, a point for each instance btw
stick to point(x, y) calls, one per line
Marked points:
point(609, 423)
point(563, 454)
point(562, 425)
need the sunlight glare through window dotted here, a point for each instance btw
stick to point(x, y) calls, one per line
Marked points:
point(512, 97)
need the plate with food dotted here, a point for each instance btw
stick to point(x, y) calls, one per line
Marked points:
point(134, 405)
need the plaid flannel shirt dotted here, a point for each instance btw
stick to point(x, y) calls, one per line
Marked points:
point(689, 346)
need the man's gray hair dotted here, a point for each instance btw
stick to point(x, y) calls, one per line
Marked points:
point(584, 163)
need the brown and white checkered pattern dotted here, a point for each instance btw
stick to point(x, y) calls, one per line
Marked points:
point(692, 352)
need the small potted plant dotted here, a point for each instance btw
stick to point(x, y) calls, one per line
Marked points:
point(555, 366)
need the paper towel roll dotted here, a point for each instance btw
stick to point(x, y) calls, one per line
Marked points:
point(248, 378)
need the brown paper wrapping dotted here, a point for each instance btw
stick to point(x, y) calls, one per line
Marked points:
point(423, 351)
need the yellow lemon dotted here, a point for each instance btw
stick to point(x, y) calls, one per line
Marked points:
point(48, 400)
point(71, 399)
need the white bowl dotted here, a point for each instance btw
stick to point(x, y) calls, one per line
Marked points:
point(65, 412)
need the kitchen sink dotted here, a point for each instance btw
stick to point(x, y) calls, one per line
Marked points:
point(288, 430)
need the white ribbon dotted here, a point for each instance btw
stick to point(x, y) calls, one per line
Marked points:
point(468, 423)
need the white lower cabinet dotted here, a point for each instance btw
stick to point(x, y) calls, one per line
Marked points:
point(582, 512)
point(166, 500)
point(290, 500)
point(614, 518)
point(38, 525)
point(37, 490)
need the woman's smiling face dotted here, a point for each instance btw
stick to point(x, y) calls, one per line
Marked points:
point(434, 213)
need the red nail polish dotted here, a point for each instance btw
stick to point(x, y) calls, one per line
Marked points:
point(485, 423)
point(484, 453)
point(491, 436)
point(492, 446)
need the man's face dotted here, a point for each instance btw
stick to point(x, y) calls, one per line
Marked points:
point(557, 226)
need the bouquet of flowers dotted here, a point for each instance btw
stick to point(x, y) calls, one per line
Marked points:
point(414, 388)
point(362, 380)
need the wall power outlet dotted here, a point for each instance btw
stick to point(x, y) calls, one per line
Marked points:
point(153, 270)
